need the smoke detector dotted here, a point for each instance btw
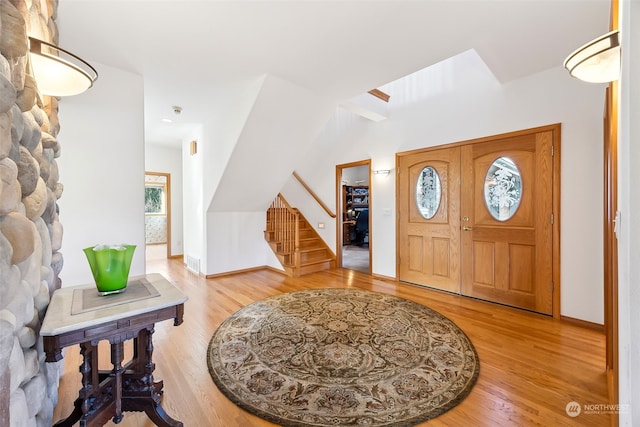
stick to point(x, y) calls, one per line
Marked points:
point(177, 109)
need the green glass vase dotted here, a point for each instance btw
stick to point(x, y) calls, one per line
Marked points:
point(110, 266)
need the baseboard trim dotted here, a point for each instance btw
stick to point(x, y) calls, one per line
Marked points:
point(275, 270)
point(383, 277)
point(583, 323)
point(243, 270)
point(613, 395)
point(176, 256)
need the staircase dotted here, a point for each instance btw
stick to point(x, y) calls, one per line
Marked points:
point(296, 244)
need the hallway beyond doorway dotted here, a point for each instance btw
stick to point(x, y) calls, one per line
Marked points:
point(156, 252)
point(355, 258)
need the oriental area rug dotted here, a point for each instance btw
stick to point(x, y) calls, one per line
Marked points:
point(332, 357)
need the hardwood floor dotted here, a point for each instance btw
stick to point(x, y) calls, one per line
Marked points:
point(356, 258)
point(531, 366)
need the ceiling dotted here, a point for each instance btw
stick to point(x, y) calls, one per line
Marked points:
point(191, 52)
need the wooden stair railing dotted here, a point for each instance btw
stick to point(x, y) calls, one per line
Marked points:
point(283, 229)
point(295, 243)
point(314, 195)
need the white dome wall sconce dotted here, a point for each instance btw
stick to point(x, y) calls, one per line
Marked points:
point(597, 61)
point(58, 72)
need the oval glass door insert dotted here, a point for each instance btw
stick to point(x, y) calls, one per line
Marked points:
point(502, 188)
point(428, 192)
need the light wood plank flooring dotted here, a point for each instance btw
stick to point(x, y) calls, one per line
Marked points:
point(531, 365)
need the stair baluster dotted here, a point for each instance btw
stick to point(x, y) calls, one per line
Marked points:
point(284, 234)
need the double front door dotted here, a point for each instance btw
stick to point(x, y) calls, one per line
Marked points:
point(477, 219)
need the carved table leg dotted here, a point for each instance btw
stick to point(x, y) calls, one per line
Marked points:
point(149, 366)
point(146, 394)
point(82, 406)
point(117, 352)
point(86, 368)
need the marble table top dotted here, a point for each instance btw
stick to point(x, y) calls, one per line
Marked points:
point(59, 319)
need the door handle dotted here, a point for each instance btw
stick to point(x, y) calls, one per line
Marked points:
point(465, 228)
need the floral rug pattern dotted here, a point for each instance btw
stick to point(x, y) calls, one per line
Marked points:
point(332, 357)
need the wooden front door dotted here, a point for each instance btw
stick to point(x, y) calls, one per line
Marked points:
point(430, 244)
point(506, 209)
point(491, 235)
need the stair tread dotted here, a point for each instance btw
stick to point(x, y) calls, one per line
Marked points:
point(312, 253)
point(311, 249)
point(315, 261)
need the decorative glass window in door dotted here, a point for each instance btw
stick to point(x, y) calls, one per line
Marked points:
point(428, 192)
point(502, 188)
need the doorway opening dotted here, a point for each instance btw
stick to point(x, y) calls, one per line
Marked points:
point(353, 248)
point(157, 214)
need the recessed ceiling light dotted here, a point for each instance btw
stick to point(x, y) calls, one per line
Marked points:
point(167, 120)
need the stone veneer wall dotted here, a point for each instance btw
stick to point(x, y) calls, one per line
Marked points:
point(30, 232)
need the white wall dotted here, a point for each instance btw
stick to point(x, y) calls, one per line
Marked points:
point(460, 111)
point(281, 123)
point(223, 131)
point(169, 160)
point(382, 214)
point(202, 172)
point(229, 246)
point(296, 195)
point(192, 197)
point(629, 205)
point(102, 169)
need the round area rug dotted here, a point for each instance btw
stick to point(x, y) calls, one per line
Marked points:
point(332, 357)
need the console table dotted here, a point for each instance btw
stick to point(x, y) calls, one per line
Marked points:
point(127, 387)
